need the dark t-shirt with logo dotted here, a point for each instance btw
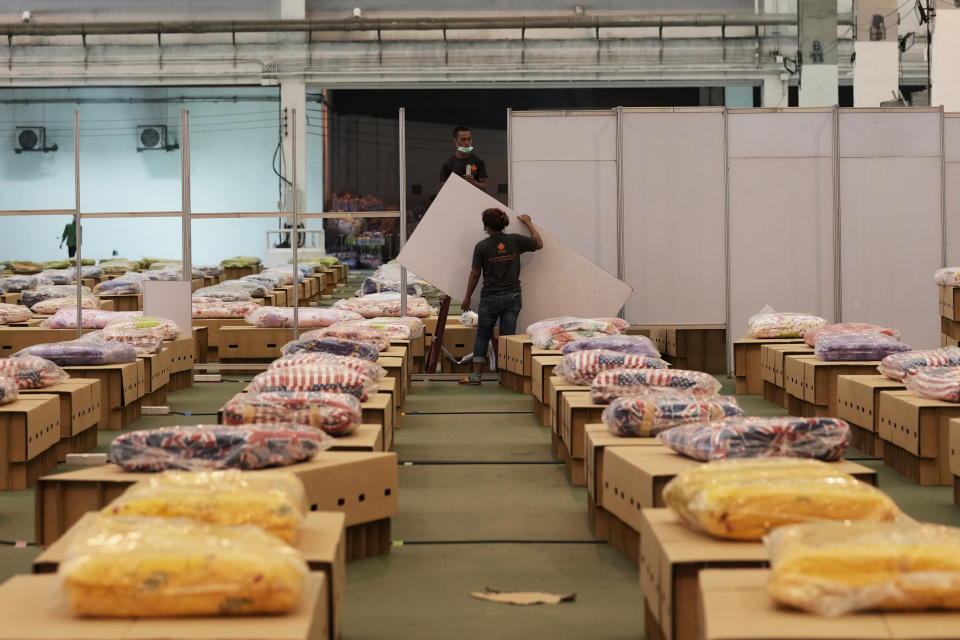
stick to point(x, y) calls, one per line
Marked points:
point(459, 166)
point(499, 258)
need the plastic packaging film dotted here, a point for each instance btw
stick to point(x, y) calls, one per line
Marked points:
point(615, 383)
point(646, 415)
point(216, 447)
point(810, 335)
point(51, 306)
point(751, 437)
point(14, 313)
point(837, 568)
point(900, 365)
point(745, 499)
point(66, 318)
point(386, 305)
point(940, 383)
point(333, 346)
point(554, 333)
point(307, 317)
point(347, 330)
point(581, 367)
point(216, 308)
point(144, 341)
point(9, 390)
point(315, 378)
point(948, 277)
point(636, 345)
point(405, 328)
point(770, 324)
point(166, 329)
point(150, 567)
point(318, 359)
point(338, 414)
point(857, 346)
point(14, 284)
point(86, 352)
point(32, 372)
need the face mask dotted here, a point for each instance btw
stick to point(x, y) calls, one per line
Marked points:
point(464, 149)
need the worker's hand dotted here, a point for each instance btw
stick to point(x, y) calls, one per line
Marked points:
point(465, 305)
point(525, 219)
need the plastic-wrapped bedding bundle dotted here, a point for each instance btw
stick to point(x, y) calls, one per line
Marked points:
point(333, 346)
point(744, 437)
point(616, 383)
point(643, 416)
point(167, 329)
point(125, 285)
point(347, 330)
point(857, 346)
point(338, 414)
point(47, 292)
point(210, 270)
point(385, 304)
point(66, 318)
point(379, 285)
point(255, 289)
point(9, 390)
point(286, 273)
point(221, 309)
point(900, 365)
point(227, 294)
point(25, 266)
point(810, 335)
point(307, 317)
point(948, 277)
point(83, 352)
point(32, 372)
point(406, 328)
point(770, 324)
point(271, 500)
point(47, 307)
point(637, 345)
point(837, 568)
point(269, 283)
point(554, 333)
point(314, 358)
point(217, 446)
point(14, 313)
point(240, 261)
point(581, 367)
point(315, 378)
point(940, 383)
point(56, 276)
point(144, 341)
point(161, 274)
point(17, 283)
point(470, 319)
point(135, 567)
point(118, 266)
point(744, 499)
point(87, 272)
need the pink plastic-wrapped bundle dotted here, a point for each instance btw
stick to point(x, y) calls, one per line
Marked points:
point(947, 277)
point(319, 359)
point(336, 413)
point(940, 383)
point(315, 378)
point(406, 328)
point(66, 318)
point(581, 367)
point(14, 313)
point(554, 333)
point(307, 317)
point(218, 309)
point(627, 382)
point(900, 365)
point(32, 372)
point(144, 341)
point(9, 390)
point(810, 335)
point(51, 306)
point(166, 329)
point(385, 304)
point(621, 324)
point(351, 331)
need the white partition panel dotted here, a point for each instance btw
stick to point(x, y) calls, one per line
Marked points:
point(951, 186)
point(782, 213)
point(674, 206)
point(564, 175)
point(890, 212)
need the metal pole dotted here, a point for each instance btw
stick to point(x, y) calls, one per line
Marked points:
point(726, 240)
point(930, 14)
point(185, 193)
point(943, 192)
point(294, 236)
point(837, 223)
point(403, 206)
point(509, 161)
point(76, 219)
point(620, 223)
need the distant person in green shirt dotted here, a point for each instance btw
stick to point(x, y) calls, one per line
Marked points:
point(70, 235)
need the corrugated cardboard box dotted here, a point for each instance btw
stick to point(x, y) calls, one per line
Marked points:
point(182, 354)
point(577, 411)
point(820, 379)
point(746, 363)
point(322, 542)
point(29, 428)
point(918, 427)
point(599, 439)
point(793, 373)
point(698, 347)
point(379, 409)
point(124, 302)
point(858, 397)
point(950, 328)
point(121, 385)
point(776, 354)
point(79, 403)
point(950, 303)
point(735, 606)
point(361, 485)
point(367, 437)
point(237, 342)
point(541, 371)
point(555, 387)
point(156, 370)
point(671, 558)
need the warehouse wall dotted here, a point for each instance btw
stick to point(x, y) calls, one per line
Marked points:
point(232, 146)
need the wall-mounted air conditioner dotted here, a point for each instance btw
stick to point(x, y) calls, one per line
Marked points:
point(31, 139)
point(153, 137)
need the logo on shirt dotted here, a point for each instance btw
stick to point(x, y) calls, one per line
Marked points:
point(501, 248)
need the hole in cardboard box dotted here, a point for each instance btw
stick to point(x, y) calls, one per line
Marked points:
point(341, 502)
point(362, 497)
point(314, 507)
point(387, 492)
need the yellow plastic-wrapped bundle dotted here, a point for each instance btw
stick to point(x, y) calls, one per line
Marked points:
point(744, 499)
point(271, 500)
point(834, 568)
point(165, 567)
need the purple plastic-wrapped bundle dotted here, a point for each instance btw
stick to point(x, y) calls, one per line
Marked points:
point(636, 345)
point(66, 318)
point(821, 438)
point(48, 292)
point(218, 446)
point(643, 416)
point(9, 390)
point(333, 346)
point(125, 285)
point(17, 283)
point(32, 372)
point(617, 383)
point(85, 352)
point(857, 346)
point(900, 365)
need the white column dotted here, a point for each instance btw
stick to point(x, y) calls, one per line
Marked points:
point(774, 92)
point(293, 97)
point(945, 59)
point(876, 73)
point(818, 85)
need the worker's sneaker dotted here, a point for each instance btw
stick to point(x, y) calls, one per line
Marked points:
point(471, 379)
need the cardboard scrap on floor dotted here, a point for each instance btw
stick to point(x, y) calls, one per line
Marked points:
point(522, 597)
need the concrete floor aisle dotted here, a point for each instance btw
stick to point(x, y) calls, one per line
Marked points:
point(483, 504)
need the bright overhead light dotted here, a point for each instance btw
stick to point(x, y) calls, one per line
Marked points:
point(790, 64)
point(906, 41)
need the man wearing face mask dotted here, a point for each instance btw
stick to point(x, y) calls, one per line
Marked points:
point(464, 162)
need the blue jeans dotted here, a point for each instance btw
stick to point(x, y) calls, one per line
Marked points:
point(504, 307)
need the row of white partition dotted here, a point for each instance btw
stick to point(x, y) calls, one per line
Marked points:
point(710, 214)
